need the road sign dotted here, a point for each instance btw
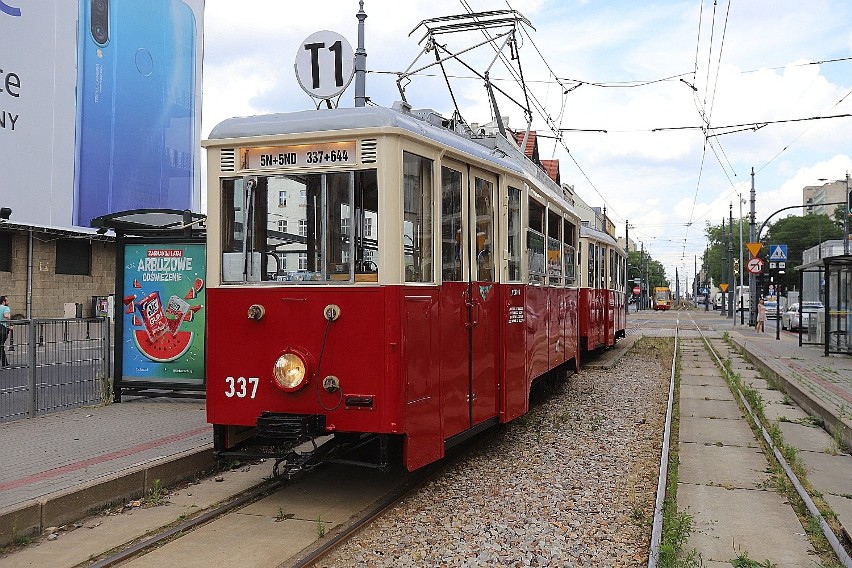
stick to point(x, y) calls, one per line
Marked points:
point(636, 290)
point(777, 252)
point(754, 248)
point(723, 287)
point(755, 266)
point(325, 64)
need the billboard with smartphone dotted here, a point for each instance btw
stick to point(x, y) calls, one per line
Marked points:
point(99, 107)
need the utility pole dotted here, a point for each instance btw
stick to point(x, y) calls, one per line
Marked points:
point(677, 284)
point(361, 61)
point(742, 266)
point(724, 264)
point(695, 282)
point(627, 268)
point(846, 217)
point(733, 279)
point(642, 290)
point(752, 278)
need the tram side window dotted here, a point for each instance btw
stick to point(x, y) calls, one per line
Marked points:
point(602, 268)
point(514, 234)
point(535, 243)
point(484, 204)
point(417, 217)
point(592, 276)
point(613, 270)
point(554, 248)
point(302, 240)
point(569, 252)
point(451, 225)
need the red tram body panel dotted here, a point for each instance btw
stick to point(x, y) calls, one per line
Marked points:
point(413, 291)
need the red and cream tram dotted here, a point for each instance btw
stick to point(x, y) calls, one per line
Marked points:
point(602, 272)
point(380, 275)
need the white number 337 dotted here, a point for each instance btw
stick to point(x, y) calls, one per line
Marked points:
point(238, 387)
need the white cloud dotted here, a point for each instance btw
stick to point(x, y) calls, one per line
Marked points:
point(662, 181)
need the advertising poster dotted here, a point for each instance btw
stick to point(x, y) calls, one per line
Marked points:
point(121, 81)
point(163, 313)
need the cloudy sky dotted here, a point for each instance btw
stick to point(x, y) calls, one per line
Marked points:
point(649, 74)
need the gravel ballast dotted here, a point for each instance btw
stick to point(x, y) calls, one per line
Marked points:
point(572, 483)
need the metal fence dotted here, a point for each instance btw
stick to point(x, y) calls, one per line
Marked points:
point(54, 364)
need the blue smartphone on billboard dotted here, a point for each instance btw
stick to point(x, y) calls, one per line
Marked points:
point(136, 107)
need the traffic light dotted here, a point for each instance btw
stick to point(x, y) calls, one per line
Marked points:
point(849, 201)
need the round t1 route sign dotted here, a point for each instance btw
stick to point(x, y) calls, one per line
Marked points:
point(325, 64)
point(755, 265)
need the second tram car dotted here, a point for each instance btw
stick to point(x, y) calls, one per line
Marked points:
point(662, 298)
point(381, 275)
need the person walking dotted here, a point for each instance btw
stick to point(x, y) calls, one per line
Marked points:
point(5, 317)
point(760, 326)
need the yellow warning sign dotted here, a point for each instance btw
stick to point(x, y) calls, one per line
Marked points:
point(754, 248)
point(723, 287)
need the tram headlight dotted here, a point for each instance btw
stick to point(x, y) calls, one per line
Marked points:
point(290, 372)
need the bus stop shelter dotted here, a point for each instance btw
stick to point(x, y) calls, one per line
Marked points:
point(160, 278)
point(828, 281)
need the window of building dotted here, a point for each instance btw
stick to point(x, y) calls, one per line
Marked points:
point(282, 198)
point(282, 226)
point(5, 252)
point(73, 256)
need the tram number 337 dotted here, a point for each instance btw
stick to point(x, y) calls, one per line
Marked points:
point(239, 387)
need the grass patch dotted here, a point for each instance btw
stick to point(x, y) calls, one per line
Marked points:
point(677, 525)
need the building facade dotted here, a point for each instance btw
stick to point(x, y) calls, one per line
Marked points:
point(43, 269)
point(816, 197)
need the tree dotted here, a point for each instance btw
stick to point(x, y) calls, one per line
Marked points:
point(716, 255)
point(655, 270)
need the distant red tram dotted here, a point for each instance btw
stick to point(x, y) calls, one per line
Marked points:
point(378, 275)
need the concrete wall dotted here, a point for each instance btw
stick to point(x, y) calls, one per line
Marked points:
point(50, 291)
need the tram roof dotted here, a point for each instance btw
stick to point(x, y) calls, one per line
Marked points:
point(492, 149)
point(591, 232)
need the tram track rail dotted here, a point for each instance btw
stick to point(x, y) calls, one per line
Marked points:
point(813, 510)
point(176, 531)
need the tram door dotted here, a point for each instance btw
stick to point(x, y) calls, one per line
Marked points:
point(469, 298)
point(483, 295)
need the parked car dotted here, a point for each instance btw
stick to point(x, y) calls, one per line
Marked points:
point(771, 309)
point(797, 316)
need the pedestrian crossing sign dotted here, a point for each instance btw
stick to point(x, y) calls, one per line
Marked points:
point(778, 253)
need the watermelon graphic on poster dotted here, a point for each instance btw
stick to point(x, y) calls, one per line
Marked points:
point(164, 317)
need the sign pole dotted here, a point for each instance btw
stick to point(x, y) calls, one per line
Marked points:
point(752, 279)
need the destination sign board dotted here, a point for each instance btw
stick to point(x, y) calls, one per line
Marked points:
point(299, 156)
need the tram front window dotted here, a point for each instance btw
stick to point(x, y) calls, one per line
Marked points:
point(325, 231)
